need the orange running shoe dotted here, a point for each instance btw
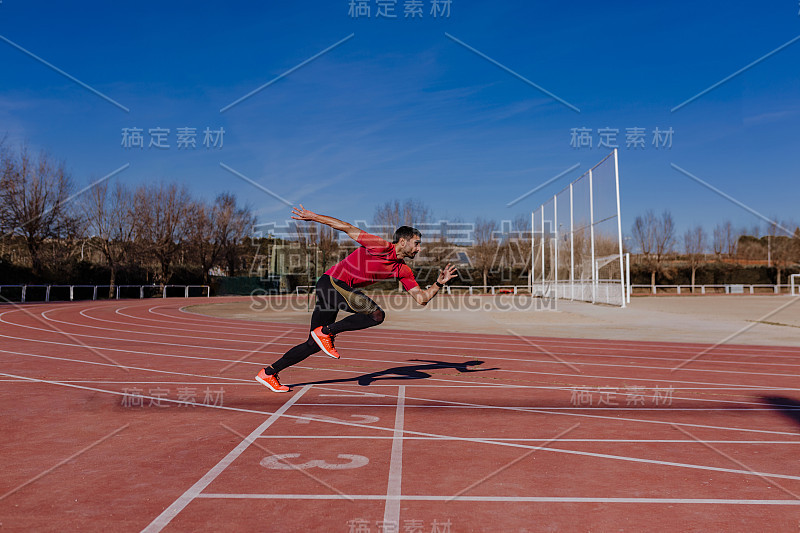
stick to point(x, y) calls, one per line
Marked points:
point(271, 382)
point(325, 342)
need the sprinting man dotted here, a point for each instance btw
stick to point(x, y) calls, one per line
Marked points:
point(337, 290)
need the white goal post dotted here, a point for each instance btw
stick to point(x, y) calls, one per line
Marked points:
point(576, 251)
point(794, 284)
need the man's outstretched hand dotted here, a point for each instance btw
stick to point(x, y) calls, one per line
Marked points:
point(446, 274)
point(302, 213)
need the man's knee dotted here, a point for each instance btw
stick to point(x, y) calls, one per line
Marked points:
point(378, 315)
point(312, 345)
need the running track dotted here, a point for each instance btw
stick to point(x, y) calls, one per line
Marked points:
point(138, 415)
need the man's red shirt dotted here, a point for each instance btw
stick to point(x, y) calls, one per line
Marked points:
point(376, 259)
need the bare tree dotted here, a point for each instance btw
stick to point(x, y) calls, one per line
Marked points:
point(110, 219)
point(34, 194)
point(521, 228)
point(200, 236)
point(161, 223)
point(215, 232)
point(394, 214)
point(655, 237)
point(783, 247)
point(725, 239)
point(319, 244)
point(795, 253)
point(731, 238)
point(7, 170)
point(232, 224)
point(718, 241)
point(484, 249)
point(515, 249)
point(694, 241)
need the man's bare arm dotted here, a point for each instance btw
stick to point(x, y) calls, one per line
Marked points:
point(422, 297)
point(304, 214)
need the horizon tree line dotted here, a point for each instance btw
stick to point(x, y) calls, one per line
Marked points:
point(157, 225)
point(655, 238)
point(161, 226)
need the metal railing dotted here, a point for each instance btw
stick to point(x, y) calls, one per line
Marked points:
point(726, 288)
point(48, 289)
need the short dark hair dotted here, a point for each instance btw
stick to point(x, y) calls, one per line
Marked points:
point(405, 232)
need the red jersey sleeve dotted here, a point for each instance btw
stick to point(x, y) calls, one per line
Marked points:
point(374, 244)
point(407, 278)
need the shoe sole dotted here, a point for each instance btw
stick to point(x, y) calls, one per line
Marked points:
point(267, 385)
point(322, 346)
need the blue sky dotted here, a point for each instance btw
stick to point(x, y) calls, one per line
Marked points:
point(400, 110)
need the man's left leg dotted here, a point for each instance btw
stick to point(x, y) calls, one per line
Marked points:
point(325, 311)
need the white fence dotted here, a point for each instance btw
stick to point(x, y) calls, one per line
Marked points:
point(730, 288)
point(48, 290)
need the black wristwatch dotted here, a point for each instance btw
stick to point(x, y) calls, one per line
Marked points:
point(439, 284)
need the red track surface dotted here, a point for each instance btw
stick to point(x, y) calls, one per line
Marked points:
point(534, 442)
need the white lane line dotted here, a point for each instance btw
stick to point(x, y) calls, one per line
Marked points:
point(395, 361)
point(668, 382)
point(248, 383)
point(391, 512)
point(505, 439)
point(207, 359)
point(265, 352)
point(609, 408)
point(451, 348)
point(355, 343)
point(591, 344)
point(97, 363)
point(375, 394)
point(424, 434)
point(194, 491)
point(583, 415)
point(354, 395)
point(232, 381)
point(106, 382)
point(132, 333)
point(527, 499)
point(425, 399)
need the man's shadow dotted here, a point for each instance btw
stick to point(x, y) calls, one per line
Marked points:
point(404, 372)
point(786, 406)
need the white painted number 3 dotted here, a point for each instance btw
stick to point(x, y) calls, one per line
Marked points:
point(279, 462)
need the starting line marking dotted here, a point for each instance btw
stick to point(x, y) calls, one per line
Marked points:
point(521, 499)
point(194, 491)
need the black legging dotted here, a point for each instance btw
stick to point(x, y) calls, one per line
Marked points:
point(332, 295)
